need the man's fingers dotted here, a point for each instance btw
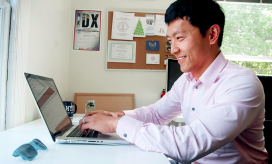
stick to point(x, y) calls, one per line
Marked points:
point(90, 113)
point(99, 122)
point(84, 128)
point(106, 113)
point(82, 125)
point(110, 114)
point(120, 114)
point(79, 123)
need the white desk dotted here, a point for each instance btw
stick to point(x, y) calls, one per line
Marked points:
point(70, 153)
point(179, 120)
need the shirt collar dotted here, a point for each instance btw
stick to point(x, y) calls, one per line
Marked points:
point(212, 72)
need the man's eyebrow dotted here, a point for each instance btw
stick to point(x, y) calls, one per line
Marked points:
point(178, 32)
point(175, 33)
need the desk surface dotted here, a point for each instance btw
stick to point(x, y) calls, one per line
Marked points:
point(70, 153)
point(179, 118)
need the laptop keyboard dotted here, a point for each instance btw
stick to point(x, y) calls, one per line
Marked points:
point(77, 133)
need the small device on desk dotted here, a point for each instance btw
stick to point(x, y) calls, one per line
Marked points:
point(89, 106)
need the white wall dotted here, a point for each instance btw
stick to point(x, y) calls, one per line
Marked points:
point(50, 53)
point(48, 46)
point(87, 70)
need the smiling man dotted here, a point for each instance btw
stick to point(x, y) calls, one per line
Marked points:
point(221, 102)
point(194, 52)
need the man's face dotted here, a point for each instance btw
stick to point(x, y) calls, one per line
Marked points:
point(189, 46)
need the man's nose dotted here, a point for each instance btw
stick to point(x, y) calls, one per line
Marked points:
point(174, 48)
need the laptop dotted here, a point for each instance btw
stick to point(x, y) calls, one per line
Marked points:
point(56, 119)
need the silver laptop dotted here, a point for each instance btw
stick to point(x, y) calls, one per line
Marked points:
point(60, 126)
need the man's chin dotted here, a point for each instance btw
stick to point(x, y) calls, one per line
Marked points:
point(184, 70)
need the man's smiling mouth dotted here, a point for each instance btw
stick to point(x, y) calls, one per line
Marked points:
point(181, 58)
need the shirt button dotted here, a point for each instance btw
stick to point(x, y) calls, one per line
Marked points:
point(193, 109)
point(125, 135)
point(196, 87)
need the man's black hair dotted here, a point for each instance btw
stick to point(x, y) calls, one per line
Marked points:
point(201, 13)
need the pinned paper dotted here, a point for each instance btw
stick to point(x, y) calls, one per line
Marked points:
point(160, 26)
point(167, 47)
point(122, 25)
point(152, 58)
point(139, 26)
point(150, 25)
point(152, 45)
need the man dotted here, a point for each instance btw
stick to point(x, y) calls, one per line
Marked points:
point(83, 21)
point(222, 103)
point(78, 19)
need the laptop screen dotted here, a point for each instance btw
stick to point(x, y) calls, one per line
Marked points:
point(49, 103)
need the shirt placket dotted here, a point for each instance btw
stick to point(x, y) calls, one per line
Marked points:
point(194, 101)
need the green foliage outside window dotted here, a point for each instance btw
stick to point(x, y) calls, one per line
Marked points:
point(248, 32)
point(263, 68)
point(248, 29)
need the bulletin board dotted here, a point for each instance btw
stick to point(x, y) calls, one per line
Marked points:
point(105, 101)
point(141, 51)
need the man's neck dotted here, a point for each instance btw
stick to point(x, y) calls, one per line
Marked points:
point(199, 74)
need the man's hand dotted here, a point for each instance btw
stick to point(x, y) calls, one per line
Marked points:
point(99, 122)
point(106, 113)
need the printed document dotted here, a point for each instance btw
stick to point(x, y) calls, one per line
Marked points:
point(122, 25)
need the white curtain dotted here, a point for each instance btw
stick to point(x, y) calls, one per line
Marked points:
point(15, 108)
point(4, 39)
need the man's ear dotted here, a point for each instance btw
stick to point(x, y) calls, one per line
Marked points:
point(214, 32)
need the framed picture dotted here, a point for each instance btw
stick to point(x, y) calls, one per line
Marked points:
point(87, 30)
point(122, 51)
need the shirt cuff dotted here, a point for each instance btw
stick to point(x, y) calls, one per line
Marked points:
point(131, 113)
point(128, 127)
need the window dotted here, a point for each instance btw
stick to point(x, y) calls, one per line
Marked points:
point(247, 36)
point(264, 68)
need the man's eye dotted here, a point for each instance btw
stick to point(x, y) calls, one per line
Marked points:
point(179, 38)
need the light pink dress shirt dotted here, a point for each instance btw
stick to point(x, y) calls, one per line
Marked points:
point(223, 112)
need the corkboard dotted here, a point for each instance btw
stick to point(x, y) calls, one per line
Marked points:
point(105, 101)
point(140, 48)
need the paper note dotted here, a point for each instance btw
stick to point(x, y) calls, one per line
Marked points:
point(121, 51)
point(122, 25)
point(152, 58)
point(160, 26)
point(152, 45)
point(150, 25)
point(139, 26)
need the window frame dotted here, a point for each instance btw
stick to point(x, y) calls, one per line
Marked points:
point(4, 36)
point(244, 57)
